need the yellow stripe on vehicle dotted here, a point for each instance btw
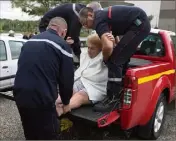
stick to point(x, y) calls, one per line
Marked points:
point(155, 76)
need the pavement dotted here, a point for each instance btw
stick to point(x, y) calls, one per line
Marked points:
point(10, 124)
point(11, 128)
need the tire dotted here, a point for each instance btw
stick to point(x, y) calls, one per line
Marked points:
point(152, 130)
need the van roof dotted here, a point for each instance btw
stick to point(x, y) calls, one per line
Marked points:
point(11, 38)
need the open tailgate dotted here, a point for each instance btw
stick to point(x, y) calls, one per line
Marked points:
point(102, 119)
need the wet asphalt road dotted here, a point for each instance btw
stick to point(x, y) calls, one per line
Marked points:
point(11, 129)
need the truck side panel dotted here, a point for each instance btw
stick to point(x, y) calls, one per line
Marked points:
point(147, 92)
point(162, 84)
point(131, 117)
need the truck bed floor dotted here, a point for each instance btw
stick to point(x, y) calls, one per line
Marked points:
point(138, 62)
point(86, 112)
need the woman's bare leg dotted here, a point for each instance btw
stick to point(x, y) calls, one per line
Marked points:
point(59, 101)
point(78, 99)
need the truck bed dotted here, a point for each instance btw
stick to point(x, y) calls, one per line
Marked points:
point(86, 112)
point(134, 62)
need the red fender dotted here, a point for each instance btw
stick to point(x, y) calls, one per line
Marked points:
point(161, 84)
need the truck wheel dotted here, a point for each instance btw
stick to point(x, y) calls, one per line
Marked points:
point(153, 128)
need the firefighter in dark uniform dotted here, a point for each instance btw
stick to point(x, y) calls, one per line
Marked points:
point(70, 13)
point(44, 63)
point(129, 21)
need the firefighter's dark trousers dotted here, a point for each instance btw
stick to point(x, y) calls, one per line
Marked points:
point(40, 123)
point(125, 49)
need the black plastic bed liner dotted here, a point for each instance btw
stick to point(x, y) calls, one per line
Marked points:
point(100, 118)
point(86, 112)
point(134, 62)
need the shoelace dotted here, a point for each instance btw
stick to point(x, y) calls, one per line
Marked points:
point(117, 100)
point(114, 99)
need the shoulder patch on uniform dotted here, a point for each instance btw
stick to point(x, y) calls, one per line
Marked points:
point(54, 44)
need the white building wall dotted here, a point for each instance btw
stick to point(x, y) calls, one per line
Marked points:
point(151, 8)
point(167, 24)
point(165, 5)
point(168, 15)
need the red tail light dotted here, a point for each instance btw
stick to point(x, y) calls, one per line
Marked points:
point(130, 88)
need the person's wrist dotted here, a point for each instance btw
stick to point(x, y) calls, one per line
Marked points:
point(66, 105)
point(66, 102)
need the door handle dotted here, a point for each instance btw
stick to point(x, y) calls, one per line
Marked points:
point(5, 67)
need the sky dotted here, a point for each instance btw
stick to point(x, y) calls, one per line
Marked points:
point(6, 11)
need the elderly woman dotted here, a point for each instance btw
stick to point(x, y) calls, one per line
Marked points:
point(90, 78)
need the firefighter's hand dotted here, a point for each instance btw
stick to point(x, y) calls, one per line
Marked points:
point(59, 109)
point(117, 39)
point(111, 37)
point(66, 109)
point(69, 40)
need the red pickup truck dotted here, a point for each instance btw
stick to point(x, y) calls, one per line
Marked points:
point(149, 85)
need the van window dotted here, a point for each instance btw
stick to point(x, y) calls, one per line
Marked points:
point(3, 52)
point(152, 45)
point(15, 47)
point(83, 44)
point(174, 42)
point(83, 41)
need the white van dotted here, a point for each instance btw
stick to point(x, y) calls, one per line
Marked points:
point(10, 48)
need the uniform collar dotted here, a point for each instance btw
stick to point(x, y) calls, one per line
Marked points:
point(52, 31)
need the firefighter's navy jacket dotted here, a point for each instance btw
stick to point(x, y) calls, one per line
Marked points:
point(45, 62)
point(70, 14)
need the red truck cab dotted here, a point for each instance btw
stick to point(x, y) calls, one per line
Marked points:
point(149, 85)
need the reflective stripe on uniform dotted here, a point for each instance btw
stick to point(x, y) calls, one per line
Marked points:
point(115, 79)
point(54, 44)
point(74, 9)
